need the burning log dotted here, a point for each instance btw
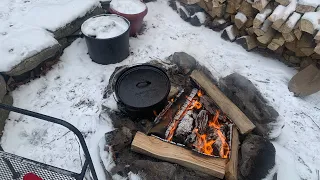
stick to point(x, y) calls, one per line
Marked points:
point(201, 121)
point(231, 110)
point(168, 152)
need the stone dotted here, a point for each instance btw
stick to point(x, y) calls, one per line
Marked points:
point(75, 25)
point(153, 170)
point(184, 61)
point(306, 82)
point(119, 138)
point(247, 97)
point(3, 88)
point(3, 113)
point(32, 62)
point(183, 14)
point(192, 8)
point(257, 157)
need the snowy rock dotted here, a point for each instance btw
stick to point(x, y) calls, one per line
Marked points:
point(128, 6)
point(184, 61)
point(3, 113)
point(119, 138)
point(153, 170)
point(247, 97)
point(3, 88)
point(257, 157)
point(75, 24)
point(198, 19)
point(33, 61)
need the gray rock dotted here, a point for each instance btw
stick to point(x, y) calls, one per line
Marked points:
point(247, 97)
point(32, 62)
point(257, 157)
point(3, 113)
point(194, 21)
point(119, 138)
point(184, 61)
point(153, 170)
point(3, 88)
point(75, 25)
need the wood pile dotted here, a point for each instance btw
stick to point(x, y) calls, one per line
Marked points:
point(288, 27)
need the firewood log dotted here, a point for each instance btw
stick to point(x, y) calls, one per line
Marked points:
point(219, 10)
point(284, 15)
point(303, 8)
point(308, 51)
point(297, 33)
point(230, 33)
point(291, 23)
point(247, 9)
point(264, 28)
point(233, 6)
point(310, 22)
point(260, 4)
point(289, 37)
point(317, 36)
point(267, 37)
point(247, 42)
point(276, 42)
point(262, 16)
point(283, 2)
point(240, 19)
point(317, 49)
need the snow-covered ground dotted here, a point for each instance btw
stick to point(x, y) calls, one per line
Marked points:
point(73, 91)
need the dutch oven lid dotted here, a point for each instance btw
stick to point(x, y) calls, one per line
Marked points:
point(142, 86)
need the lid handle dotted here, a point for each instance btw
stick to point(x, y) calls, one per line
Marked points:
point(143, 84)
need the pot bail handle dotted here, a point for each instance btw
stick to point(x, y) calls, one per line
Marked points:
point(143, 84)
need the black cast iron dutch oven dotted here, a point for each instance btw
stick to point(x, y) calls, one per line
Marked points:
point(142, 90)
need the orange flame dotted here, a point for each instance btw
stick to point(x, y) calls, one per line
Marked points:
point(202, 145)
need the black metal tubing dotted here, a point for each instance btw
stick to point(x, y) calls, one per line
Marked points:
point(62, 123)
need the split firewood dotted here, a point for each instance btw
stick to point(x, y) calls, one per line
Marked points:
point(201, 121)
point(247, 9)
point(277, 13)
point(315, 56)
point(215, 3)
point(291, 46)
point(240, 19)
point(233, 6)
point(209, 5)
point(317, 36)
point(291, 23)
point(317, 49)
point(203, 5)
point(285, 15)
point(262, 16)
point(250, 31)
point(247, 42)
point(267, 37)
point(230, 33)
point(232, 166)
point(276, 42)
point(260, 4)
point(306, 41)
point(304, 6)
point(220, 10)
point(310, 22)
point(297, 33)
point(283, 2)
point(264, 28)
point(308, 51)
point(289, 37)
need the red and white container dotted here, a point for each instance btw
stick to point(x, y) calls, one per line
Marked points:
point(133, 10)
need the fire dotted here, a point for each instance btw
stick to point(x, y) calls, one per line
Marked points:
point(224, 150)
point(200, 93)
point(202, 145)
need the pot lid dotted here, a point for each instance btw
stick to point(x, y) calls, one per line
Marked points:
point(142, 86)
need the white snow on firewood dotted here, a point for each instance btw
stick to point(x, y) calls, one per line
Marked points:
point(314, 18)
point(104, 27)
point(313, 3)
point(76, 79)
point(293, 20)
point(128, 6)
point(180, 7)
point(262, 16)
point(289, 9)
point(201, 16)
point(230, 33)
point(18, 42)
point(277, 13)
point(243, 18)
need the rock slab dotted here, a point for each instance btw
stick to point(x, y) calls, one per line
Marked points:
point(247, 97)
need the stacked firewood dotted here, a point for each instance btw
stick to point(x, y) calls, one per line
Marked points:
point(288, 27)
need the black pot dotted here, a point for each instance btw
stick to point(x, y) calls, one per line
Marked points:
point(142, 90)
point(110, 50)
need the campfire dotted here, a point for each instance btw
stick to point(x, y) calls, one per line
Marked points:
point(193, 121)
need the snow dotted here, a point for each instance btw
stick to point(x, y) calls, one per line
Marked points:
point(73, 91)
point(182, 8)
point(230, 32)
point(313, 3)
point(289, 10)
point(104, 27)
point(314, 18)
point(128, 6)
point(262, 16)
point(293, 20)
point(18, 42)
